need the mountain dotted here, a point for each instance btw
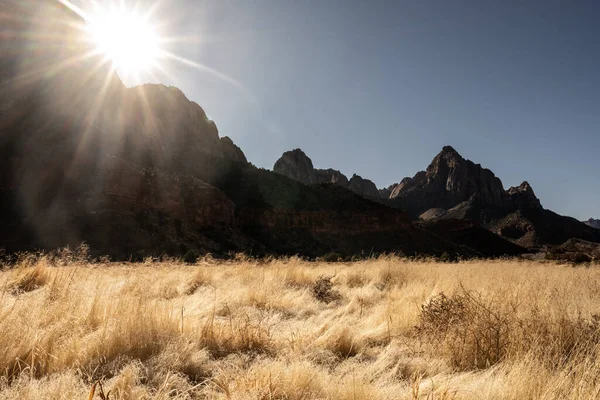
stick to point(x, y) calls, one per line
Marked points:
point(142, 171)
point(451, 180)
point(594, 223)
point(453, 188)
point(295, 164)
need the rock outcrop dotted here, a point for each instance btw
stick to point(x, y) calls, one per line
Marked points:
point(594, 223)
point(385, 193)
point(296, 165)
point(231, 151)
point(364, 187)
point(331, 176)
point(523, 197)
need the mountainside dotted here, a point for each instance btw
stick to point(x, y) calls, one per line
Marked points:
point(142, 171)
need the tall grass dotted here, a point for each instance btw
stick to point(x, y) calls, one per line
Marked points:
point(386, 328)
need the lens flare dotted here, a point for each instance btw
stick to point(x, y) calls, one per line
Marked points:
point(128, 40)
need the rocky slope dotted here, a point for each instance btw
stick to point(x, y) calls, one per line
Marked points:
point(142, 171)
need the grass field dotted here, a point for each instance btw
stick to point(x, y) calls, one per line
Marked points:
point(385, 328)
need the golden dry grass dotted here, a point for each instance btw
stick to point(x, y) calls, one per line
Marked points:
point(262, 330)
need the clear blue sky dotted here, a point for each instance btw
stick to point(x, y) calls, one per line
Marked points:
point(378, 87)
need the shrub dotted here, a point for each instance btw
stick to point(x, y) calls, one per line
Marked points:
point(473, 334)
point(323, 289)
point(465, 330)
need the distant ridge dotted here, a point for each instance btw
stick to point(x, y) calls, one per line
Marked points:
point(454, 188)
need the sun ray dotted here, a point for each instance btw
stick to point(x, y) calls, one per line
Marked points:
point(203, 67)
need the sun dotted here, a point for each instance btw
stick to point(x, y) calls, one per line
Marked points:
point(127, 39)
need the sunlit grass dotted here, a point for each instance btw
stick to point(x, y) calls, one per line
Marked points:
point(251, 329)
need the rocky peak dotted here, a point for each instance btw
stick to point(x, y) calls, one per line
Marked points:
point(594, 223)
point(331, 176)
point(448, 181)
point(523, 196)
point(450, 150)
point(231, 151)
point(363, 187)
point(295, 164)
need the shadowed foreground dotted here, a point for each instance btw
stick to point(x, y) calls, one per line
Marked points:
point(290, 329)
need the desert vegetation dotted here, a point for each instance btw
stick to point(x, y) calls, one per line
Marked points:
point(384, 328)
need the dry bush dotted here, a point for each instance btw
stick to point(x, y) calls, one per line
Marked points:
point(474, 333)
point(323, 290)
point(464, 329)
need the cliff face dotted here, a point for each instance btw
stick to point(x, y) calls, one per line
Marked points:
point(296, 165)
point(523, 197)
point(331, 176)
point(363, 187)
point(448, 181)
point(231, 151)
